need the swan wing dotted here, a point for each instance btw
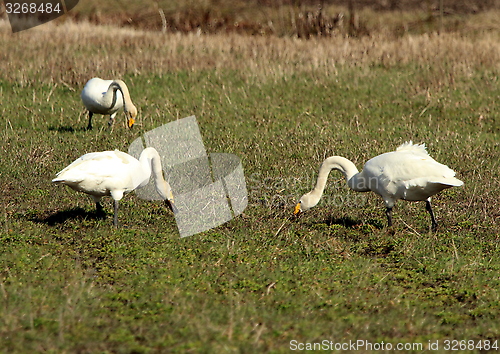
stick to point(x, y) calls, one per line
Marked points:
point(94, 97)
point(423, 188)
point(79, 169)
point(418, 149)
point(409, 174)
point(100, 170)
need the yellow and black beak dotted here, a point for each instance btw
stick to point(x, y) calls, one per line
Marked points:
point(130, 122)
point(297, 210)
point(170, 204)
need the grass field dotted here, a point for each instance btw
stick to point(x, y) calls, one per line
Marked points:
point(72, 283)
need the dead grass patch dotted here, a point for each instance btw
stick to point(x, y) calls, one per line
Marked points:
point(70, 53)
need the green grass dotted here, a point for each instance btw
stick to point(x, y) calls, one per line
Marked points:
point(72, 283)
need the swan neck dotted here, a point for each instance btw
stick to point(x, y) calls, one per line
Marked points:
point(151, 162)
point(346, 167)
point(110, 97)
point(120, 85)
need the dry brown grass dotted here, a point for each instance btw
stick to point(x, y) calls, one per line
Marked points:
point(52, 53)
point(303, 18)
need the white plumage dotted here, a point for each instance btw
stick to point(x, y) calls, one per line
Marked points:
point(408, 173)
point(114, 173)
point(107, 97)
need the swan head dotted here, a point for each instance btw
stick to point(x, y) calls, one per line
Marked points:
point(165, 191)
point(305, 203)
point(131, 113)
point(298, 209)
point(170, 204)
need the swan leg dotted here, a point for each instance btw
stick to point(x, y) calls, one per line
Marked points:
point(428, 207)
point(388, 212)
point(111, 120)
point(99, 210)
point(115, 217)
point(89, 127)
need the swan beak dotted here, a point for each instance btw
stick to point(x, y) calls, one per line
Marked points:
point(170, 204)
point(297, 210)
point(131, 122)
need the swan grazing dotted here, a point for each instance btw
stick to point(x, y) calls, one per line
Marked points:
point(107, 97)
point(115, 173)
point(408, 173)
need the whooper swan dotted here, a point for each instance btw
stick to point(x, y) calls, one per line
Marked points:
point(408, 173)
point(115, 173)
point(107, 97)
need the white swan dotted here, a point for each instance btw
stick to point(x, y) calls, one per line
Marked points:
point(115, 173)
point(408, 173)
point(107, 97)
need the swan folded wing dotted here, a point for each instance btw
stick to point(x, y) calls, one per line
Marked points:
point(94, 171)
point(100, 108)
point(414, 148)
point(421, 188)
point(123, 157)
point(94, 97)
point(452, 182)
point(97, 103)
point(410, 176)
point(408, 166)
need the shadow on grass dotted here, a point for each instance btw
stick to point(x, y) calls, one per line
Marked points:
point(344, 221)
point(350, 223)
point(67, 129)
point(60, 217)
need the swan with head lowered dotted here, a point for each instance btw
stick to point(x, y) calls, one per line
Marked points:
point(107, 97)
point(114, 173)
point(408, 173)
